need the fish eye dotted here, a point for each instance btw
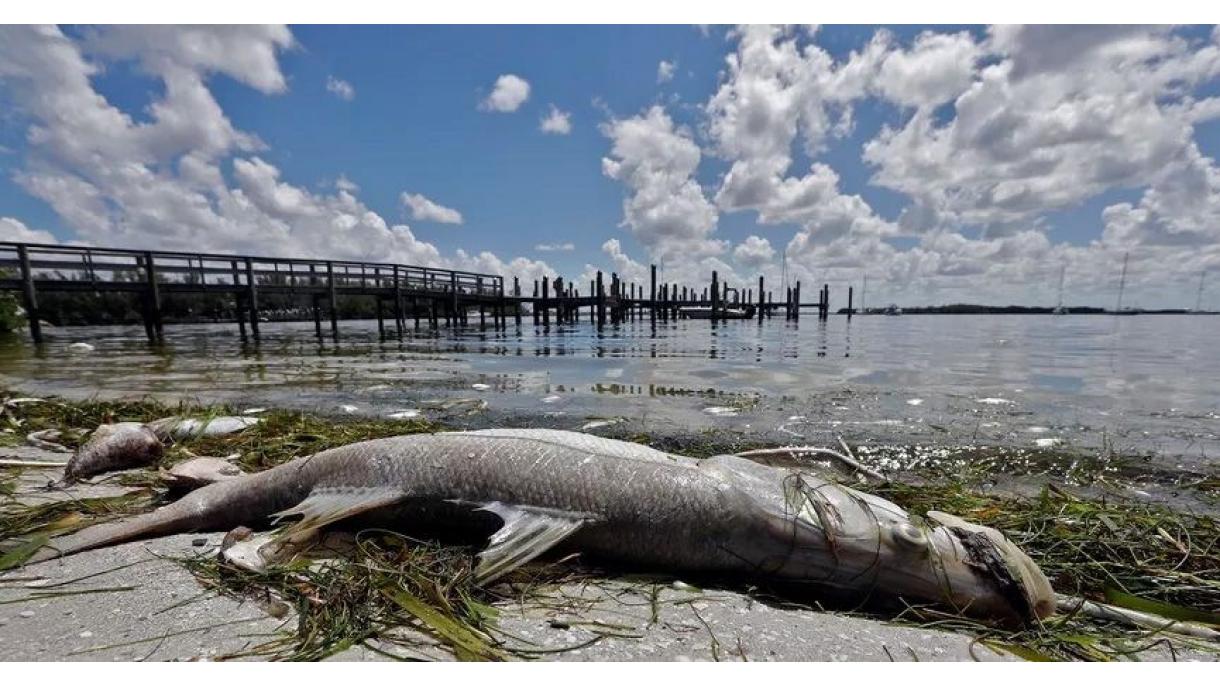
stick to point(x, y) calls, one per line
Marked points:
point(908, 536)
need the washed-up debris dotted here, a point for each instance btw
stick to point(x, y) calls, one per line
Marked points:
point(480, 386)
point(201, 471)
point(599, 423)
point(1047, 442)
point(995, 401)
point(47, 439)
point(349, 409)
point(254, 410)
point(915, 402)
point(182, 428)
point(721, 411)
point(112, 447)
point(80, 348)
point(409, 413)
point(550, 399)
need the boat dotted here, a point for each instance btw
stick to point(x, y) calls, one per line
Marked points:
point(743, 312)
point(893, 310)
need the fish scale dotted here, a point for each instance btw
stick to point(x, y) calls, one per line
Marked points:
point(623, 502)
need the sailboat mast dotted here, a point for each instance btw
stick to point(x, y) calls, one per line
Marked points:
point(863, 292)
point(1122, 283)
point(1062, 271)
point(1199, 297)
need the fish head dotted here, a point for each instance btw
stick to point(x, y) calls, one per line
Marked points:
point(843, 539)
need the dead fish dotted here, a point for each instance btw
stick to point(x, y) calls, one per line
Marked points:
point(181, 428)
point(114, 446)
point(199, 472)
point(535, 491)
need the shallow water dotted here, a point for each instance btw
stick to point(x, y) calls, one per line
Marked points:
point(1139, 384)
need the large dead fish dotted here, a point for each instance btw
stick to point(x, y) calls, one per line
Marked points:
point(537, 490)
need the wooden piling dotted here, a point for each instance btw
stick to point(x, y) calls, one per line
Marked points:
point(601, 301)
point(715, 290)
point(762, 306)
point(334, 300)
point(251, 298)
point(517, 295)
point(29, 295)
point(652, 300)
point(399, 316)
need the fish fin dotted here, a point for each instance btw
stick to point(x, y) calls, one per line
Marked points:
point(328, 504)
point(527, 533)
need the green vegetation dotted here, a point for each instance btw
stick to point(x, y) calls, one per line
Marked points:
point(1098, 545)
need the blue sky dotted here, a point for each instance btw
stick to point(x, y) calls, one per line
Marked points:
point(414, 124)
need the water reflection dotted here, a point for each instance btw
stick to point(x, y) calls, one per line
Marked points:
point(1053, 370)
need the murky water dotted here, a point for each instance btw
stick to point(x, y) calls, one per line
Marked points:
point(1143, 384)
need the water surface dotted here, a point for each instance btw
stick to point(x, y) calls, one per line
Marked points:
point(1142, 384)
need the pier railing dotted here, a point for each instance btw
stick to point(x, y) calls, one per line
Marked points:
point(39, 268)
point(426, 293)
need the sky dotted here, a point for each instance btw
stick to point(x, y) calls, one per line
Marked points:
point(941, 163)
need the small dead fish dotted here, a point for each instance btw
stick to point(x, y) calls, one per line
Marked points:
point(47, 439)
point(180, 428)
point(112, 447)
point(200, 472)
point(80, 348)
point(404, 414)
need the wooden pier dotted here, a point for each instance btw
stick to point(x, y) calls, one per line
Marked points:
point(425, 296)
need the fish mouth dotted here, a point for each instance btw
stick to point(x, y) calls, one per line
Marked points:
point(1016, 577)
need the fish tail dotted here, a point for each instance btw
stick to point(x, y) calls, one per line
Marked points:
point(211, 508)
point(166, 520)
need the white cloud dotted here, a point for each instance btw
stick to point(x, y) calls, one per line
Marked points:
point(345, 184)
point(340, 89)
point(509, 93)
point(665, 71)
point(423, 209)
point(754, 252)
point(556, 122)
point(665, 209)
point(555, 247)
point(14, 230)
point(1058, 115)
point(183, 177)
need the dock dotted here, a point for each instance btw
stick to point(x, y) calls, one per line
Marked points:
point(405, 295)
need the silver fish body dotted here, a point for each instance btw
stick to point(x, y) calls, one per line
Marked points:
point(628, 503)
point(111, 447)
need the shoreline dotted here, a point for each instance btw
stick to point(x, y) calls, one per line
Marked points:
point(977, 493)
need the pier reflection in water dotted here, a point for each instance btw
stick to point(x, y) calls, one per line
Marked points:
point(1151, 376)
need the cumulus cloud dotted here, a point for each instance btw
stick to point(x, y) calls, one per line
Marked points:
point(184, 177)
point(665, 209)
point(665, 71)
point(508, 94)
point(424, 209)
point(1056, 116)
point(993, 133)
point(340, 89)
point(556, 122)
point(754, 252)
point(555, 247)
